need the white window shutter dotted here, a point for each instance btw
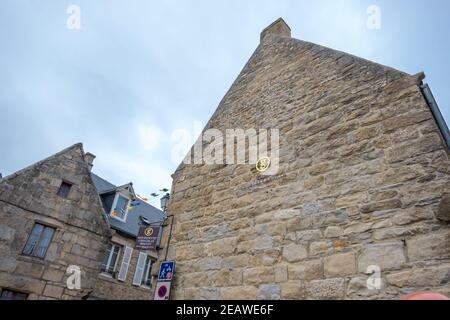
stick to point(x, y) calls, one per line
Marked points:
point(125, 264)
point(139, 269)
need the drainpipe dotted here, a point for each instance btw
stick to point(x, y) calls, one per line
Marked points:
point(436, 113)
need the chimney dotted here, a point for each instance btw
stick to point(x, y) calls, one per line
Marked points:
point(89, 158)
point(278, 28)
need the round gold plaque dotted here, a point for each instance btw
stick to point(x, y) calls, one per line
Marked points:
point(263, 164)
point(148, 232)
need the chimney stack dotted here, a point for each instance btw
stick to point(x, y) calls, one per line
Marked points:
point(89, 158)
point(278, 28)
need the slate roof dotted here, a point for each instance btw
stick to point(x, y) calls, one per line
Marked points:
point(140, 209)
point(101, 184)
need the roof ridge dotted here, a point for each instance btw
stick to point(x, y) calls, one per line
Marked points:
point(344, 53)
point(18, 172)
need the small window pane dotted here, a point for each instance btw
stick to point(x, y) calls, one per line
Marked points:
point(109, 262)
point(13, 295)
point(106, 259)
point(33, 239)
point(115, 255)
point(147, 278)
point(38, 241)
point(121, 207)
point(44, 243)
point(64, 189)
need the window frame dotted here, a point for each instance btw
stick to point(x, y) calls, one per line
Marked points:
point(116, 199)
point(64, 183)
point(14, 293)
point(107, 267)
point(32, 254)
point(147, 274)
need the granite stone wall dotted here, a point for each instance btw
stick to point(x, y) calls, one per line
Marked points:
point(30, 196)
point(108, 287)
point(81, 238)
point(362, 181)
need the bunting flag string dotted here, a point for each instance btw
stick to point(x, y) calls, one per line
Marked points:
point(145, 199)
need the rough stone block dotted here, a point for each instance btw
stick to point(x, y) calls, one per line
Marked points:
point(443, 212)
point(29, 269)
point(320, 247)
point(292, 290)
point(239, 293)
point(221, 247)
point(381, 206)
point(333, 232)
point(420, 277)
point(326, 289)
point(53, 275)
point(358, 287)
point(8, 263)
point(340, 265)
point(294, 253)
point(387, 256)
point(6, 233)
point(308, 235)
point(433, 245)
point(53, 291)
point(269, 292)
point(281, 273)
point(259, 275)
point(306, 270)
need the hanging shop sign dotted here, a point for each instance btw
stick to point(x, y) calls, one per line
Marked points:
point(147, 238)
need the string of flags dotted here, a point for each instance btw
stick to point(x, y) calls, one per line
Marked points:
point(146, 199)
point(132, 205)
point(164, 190)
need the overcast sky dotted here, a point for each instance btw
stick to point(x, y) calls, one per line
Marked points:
point(138, 71)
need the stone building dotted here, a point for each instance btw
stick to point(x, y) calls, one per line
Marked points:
point(56, 214)
point(135, 279)
point(360, 194)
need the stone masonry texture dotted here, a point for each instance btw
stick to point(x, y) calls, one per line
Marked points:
point(30, 196)
point(364, 180)
point(81, 238)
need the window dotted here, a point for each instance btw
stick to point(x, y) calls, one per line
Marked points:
point(142, 275)
point(147, 277)
point(13, 295)
point(120, 207)
point(64, 189)
point(110, 260)
point(38, 241)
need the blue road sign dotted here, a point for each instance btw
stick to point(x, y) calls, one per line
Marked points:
point(166, 271)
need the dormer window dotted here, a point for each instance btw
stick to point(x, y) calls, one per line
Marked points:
point(120, 206)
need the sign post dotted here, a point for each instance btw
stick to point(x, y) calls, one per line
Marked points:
point(165, 276)
point(162, 291)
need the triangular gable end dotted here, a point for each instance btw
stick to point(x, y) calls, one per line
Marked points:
point(282, 61)
point(36, 187)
